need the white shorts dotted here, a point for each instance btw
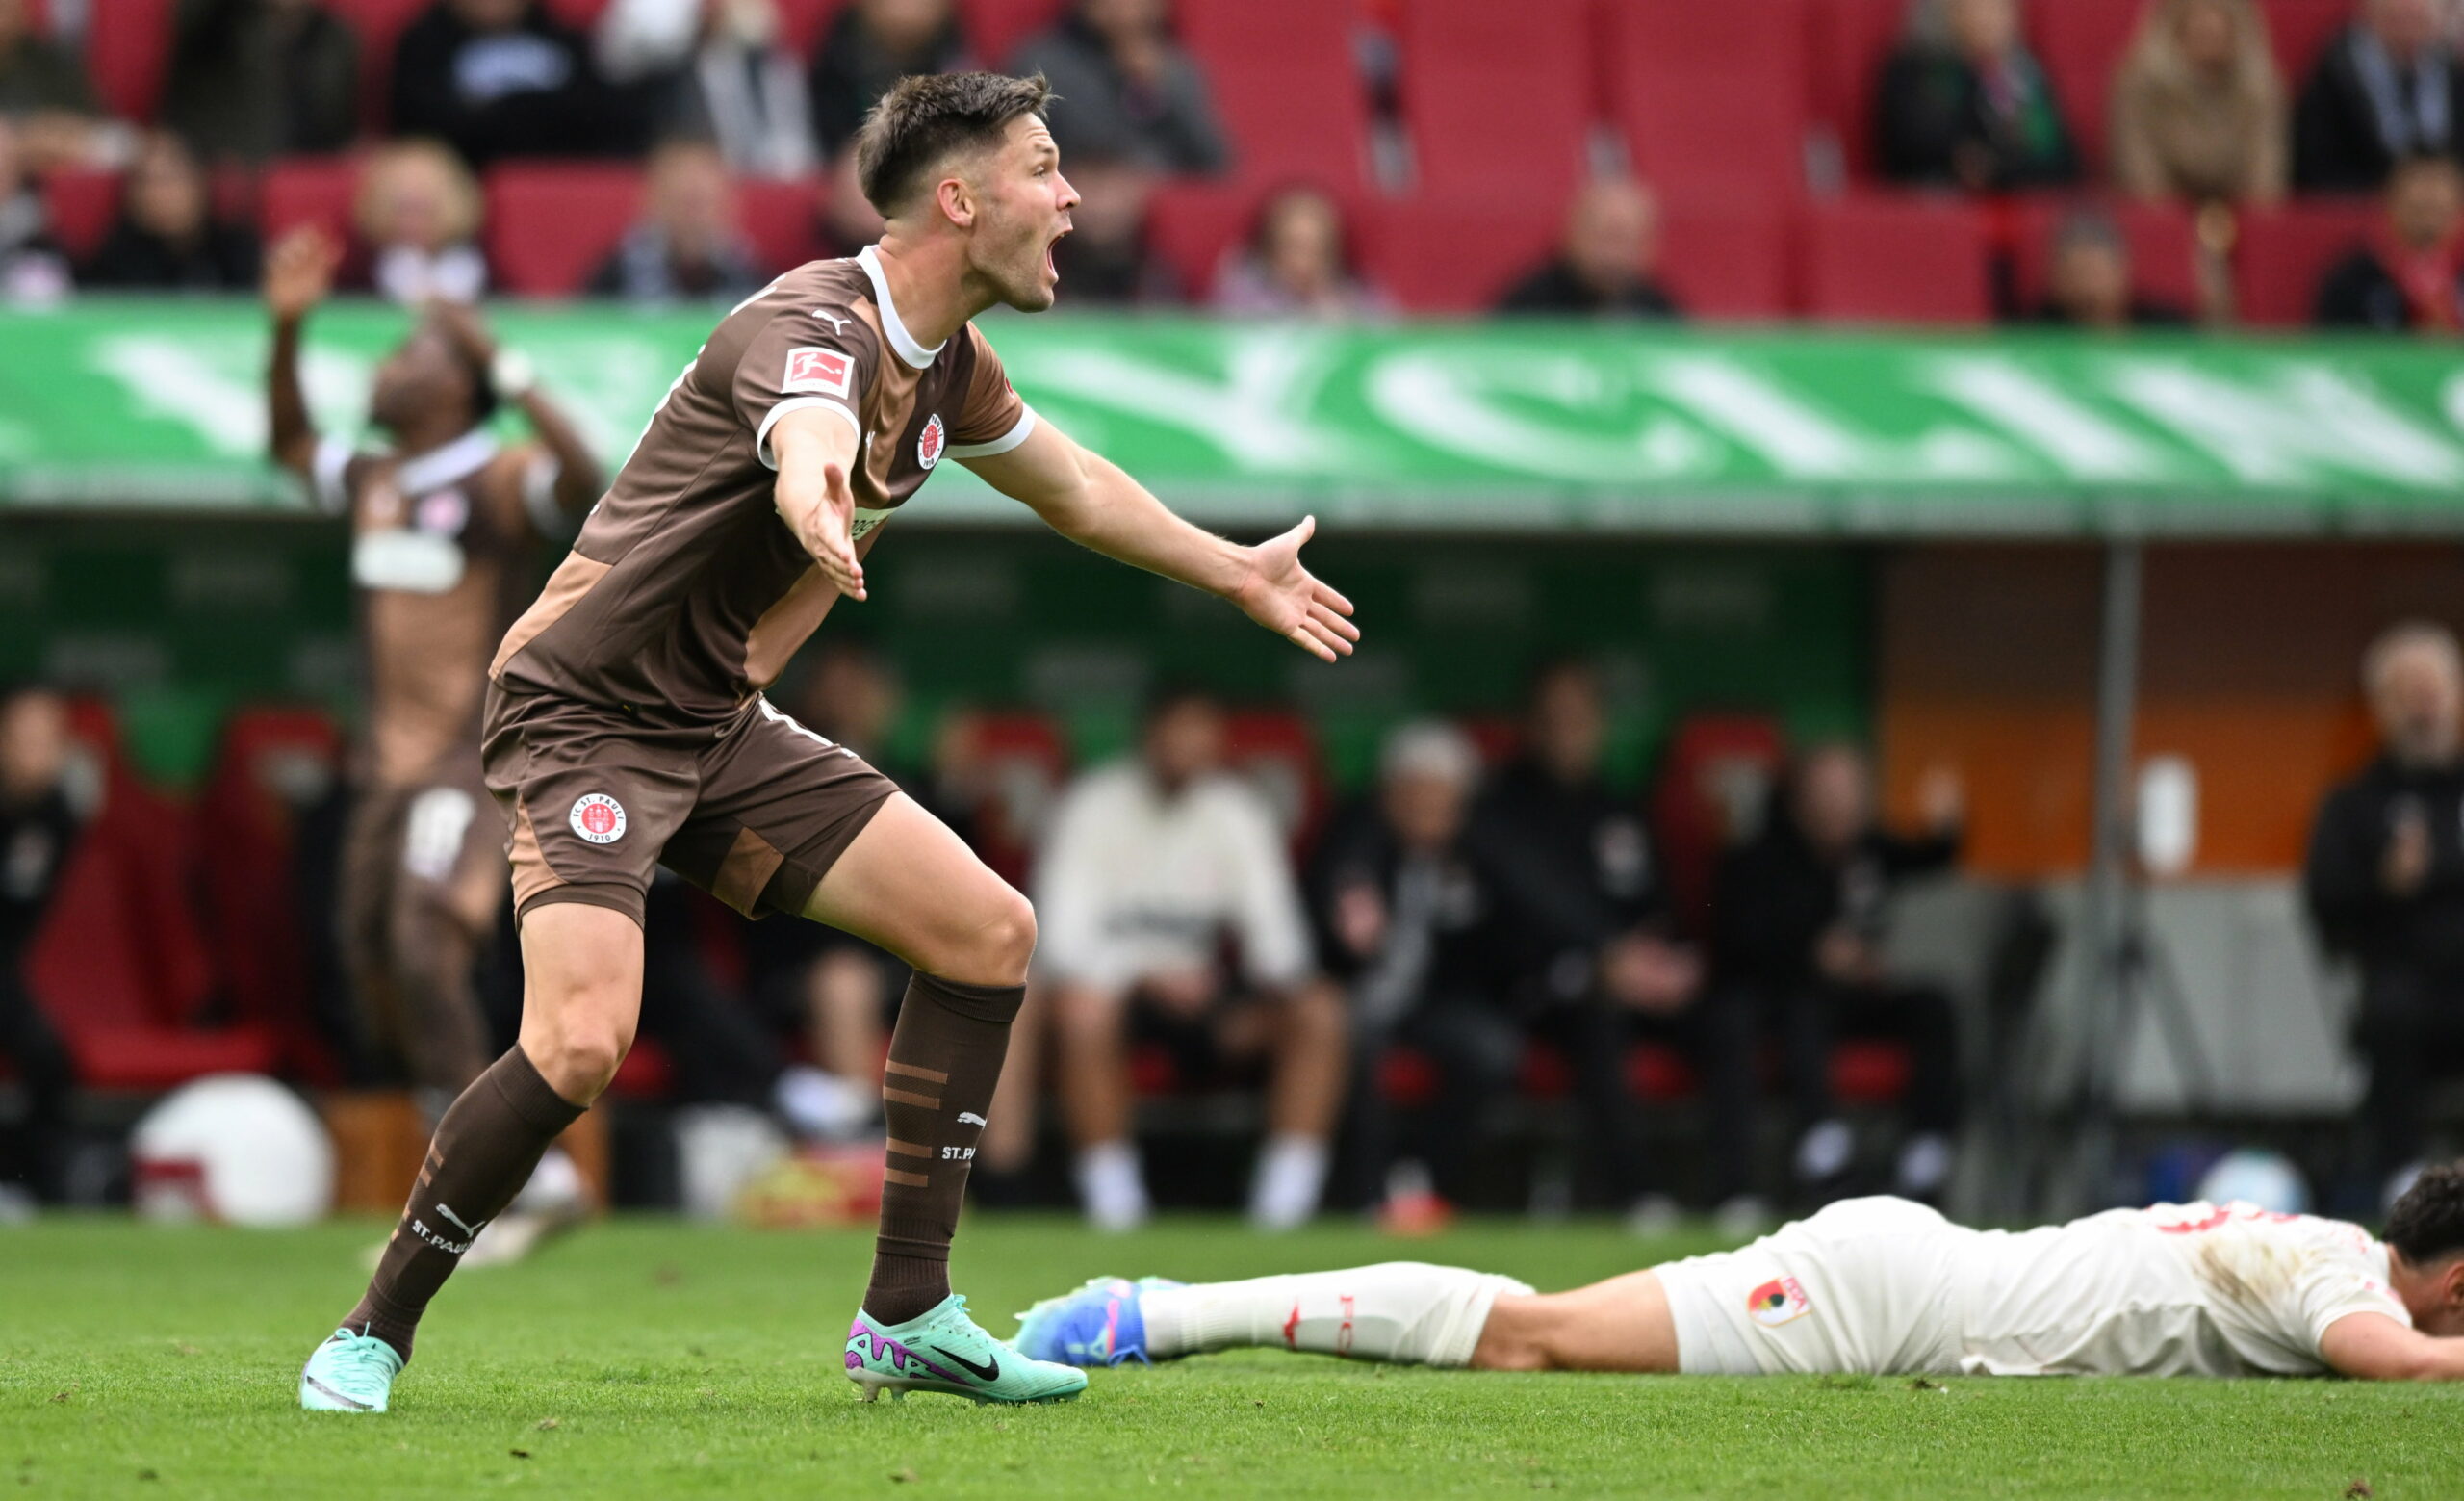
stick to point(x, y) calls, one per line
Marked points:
point(1868, 1286)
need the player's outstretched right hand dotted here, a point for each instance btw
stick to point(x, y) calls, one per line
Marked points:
point(300, 270)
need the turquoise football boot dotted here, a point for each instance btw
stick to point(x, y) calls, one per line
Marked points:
point(943, 1349)
point(349, 1373)
point(1100, 1323)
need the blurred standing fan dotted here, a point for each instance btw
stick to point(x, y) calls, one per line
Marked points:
point(237, 1149)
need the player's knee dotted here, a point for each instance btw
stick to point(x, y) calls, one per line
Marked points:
point(1315, 1014)
point(579, 1060)
point(1005, 939)
point(1515, 1337)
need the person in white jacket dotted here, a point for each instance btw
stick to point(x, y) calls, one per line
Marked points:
point(1167, 909)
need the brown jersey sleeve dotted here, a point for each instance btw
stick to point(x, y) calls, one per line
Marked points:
point(805, 357)
point(992, 417)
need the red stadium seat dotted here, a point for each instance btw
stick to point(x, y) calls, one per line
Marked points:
point(1277, 751)
point(81, 205)
point(1659, 1073)
point(2300, 30)
point(1285, 81)
point(646, 1074)
point(2081, 43)
point(128, 49)
point(1455, 255)
point(1496, 95)
point(2164, 245)
point(1714, 777)
point(1193, 222)
point(2284, 251)
point(994, 28)
point(1712, 97)
point(551, 224)
point(1851, 40)
point(580, 14)
point(1727, 257)
point(120, 966)
point(1870, 1074)
point(804, 23)
point(781, 219)
point(308, 190)
point(1022, 762)
point(1879, 258)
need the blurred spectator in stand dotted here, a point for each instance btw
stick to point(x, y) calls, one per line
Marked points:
point(44, 91)
point(714, 70)
point(1418, 923)
point(1797, 926)
point(2199, 112)
point(1123, 91)
point(32, 268)
point(167, 238)
point(873, 44)
point(502, 78)
point(2387, 87)
point(849, 221)
point(2385, 881)
point(1298, 262)
point(1963, 104)
point(2088, 280)
point(688, 245)
point(2409, 276)
point(417, 213)
point(38, 830)
point(1153, 867)
point(254, 79)
point(1607, 264)
point(1106, 259)
point(1566, 844)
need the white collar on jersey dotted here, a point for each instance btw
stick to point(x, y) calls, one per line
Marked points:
point(900, 339)
point(439, 467)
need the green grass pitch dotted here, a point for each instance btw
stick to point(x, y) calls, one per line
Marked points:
point(656, 1360)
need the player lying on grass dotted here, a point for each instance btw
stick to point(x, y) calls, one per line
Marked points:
point(1880, 1286)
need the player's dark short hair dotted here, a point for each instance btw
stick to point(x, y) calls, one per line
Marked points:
point(2427, 1224)
point(925, 118)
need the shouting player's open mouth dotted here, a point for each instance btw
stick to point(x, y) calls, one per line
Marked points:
point(1052, 273)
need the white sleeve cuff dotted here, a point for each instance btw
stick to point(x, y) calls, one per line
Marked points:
point(326, 472)
point(539, 498)
point(1018, 433)
point(761, 434)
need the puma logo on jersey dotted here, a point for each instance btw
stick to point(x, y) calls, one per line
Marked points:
point(837, 324)
point(969, 1118)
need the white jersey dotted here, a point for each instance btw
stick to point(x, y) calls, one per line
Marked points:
point(1132, 882)
point(1882, 1286)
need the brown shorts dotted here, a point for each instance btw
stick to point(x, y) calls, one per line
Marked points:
point(755, 811)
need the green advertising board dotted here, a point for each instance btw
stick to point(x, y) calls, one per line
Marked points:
point(1541, 427)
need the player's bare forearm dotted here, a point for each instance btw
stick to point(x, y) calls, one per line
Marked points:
point(815, 448)
point(2374, 1347)
point(1090, 501)
point(290, 432)
point(579, 481)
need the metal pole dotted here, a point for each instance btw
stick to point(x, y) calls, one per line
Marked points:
point(2102, 1005)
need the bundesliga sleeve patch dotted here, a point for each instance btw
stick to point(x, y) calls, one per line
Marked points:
point(1778, 1302)
point(597, 818)
point(812, 368)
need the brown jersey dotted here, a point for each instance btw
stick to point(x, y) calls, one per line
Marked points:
point(439, 544)
point(686, 591)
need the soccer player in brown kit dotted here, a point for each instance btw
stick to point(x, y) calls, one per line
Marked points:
point(445, 526)
point(626, 725)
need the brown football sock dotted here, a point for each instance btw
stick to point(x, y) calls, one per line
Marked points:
point(944, 1059)
point(484, 1151)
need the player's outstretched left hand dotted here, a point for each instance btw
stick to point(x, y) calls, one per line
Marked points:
point(1288, 599)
